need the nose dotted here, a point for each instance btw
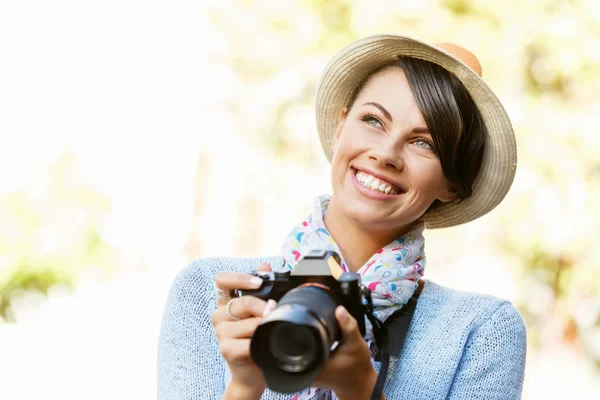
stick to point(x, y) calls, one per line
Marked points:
point(387, 155)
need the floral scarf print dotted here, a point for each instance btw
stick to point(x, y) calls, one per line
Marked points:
point(391, 274)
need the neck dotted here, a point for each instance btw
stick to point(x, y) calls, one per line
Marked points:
point(356, 242)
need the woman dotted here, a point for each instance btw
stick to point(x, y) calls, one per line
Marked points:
point(415, 138)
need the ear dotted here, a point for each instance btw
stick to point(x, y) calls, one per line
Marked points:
point(338, 128)
point(448, 195)
point(341, 120)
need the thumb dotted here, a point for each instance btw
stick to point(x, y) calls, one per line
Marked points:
point(348, 324)
point(264, 267)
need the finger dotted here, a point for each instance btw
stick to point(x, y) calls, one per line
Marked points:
point(349, 327)
point(271, 304)
point(242, 329)
point(241, 307)
point(222, 301)
point(265, 267)
point(226, 280)
point(235, 351)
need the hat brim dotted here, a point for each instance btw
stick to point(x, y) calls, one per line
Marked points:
point(355, 62)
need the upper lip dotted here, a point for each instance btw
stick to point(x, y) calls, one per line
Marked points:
point(381, 177)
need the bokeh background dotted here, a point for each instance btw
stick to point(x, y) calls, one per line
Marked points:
point(140, 135)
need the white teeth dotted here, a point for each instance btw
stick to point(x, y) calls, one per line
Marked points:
point(374, 183)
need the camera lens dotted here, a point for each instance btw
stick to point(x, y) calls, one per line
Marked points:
point(293, 342)
point(293, 347)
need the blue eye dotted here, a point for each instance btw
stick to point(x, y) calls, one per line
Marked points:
point(372, 120)
point(423, 143)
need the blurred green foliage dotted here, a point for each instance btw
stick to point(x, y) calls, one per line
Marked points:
point(50, 233)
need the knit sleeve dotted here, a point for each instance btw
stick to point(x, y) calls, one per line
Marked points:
point(493, 361)
point(189, 363)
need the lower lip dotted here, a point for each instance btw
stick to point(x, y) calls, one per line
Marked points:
point(370, 193)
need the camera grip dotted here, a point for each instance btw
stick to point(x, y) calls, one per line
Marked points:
point(264, 292)
point(358, 312)
point(352, 298)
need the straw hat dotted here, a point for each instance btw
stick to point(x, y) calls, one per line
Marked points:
point(357, 60)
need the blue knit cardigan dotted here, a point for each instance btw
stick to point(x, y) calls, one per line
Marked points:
point(459, 345)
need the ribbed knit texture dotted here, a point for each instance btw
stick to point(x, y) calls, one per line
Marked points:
point(459, 346)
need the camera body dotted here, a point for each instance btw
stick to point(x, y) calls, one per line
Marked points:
point(294, 341)
point(312, 271)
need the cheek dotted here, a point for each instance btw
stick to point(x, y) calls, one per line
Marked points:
point(349, 144)
point(346, 151)
point(338, 164)
point(438, 183)
point(430, 177)
point(343, 151)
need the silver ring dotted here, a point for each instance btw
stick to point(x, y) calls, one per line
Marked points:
point(221, 294)
point(228, 310)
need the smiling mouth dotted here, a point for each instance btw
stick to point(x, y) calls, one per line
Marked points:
point(376, 184)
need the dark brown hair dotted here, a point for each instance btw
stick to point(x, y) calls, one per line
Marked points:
point(455, 124)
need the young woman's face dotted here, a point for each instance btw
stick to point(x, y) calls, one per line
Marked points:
point(385, 171)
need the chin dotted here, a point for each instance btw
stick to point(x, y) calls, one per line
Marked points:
point(364, 215)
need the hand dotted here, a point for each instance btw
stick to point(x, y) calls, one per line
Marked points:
point(349, 372)
point(234, 336)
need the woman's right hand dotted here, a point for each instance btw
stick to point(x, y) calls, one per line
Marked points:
point(234, 336)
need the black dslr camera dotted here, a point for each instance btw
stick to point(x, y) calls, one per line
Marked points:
point(294, 341)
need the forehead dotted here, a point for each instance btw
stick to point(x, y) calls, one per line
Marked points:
point(389, 87)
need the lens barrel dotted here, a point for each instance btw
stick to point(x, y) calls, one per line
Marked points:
point(292, 344)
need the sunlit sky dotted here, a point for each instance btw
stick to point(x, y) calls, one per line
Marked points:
point(128, 87)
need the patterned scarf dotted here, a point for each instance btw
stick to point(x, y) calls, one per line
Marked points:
point(391, 273)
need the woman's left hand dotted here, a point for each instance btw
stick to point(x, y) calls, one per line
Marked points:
point(349, 372)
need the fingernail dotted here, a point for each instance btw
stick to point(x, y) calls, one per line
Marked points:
point(269, 307)
point(343, 314)
point(256, 281)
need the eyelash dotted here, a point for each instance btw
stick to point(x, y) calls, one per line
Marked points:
point(428, 143)
point(367, 117)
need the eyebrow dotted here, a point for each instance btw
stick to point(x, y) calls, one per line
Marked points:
point(389, 116)
point(382, 109)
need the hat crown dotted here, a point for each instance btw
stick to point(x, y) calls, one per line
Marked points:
point(463, 55)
